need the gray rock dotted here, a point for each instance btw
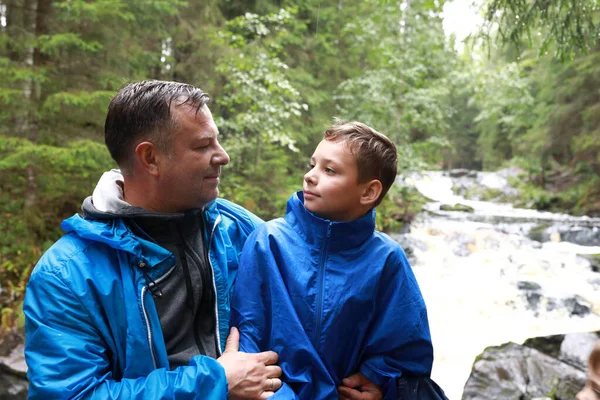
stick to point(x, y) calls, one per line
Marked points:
point(528, 285)
point(584, 236)
point(593, 259)
point(512, 371)
point(13, 375)
point(549, 345)
point(456, 207)
point(533, 295)
point(12, 387)
point(576, 348)
point(577, 305)
point(458, 172)
point(13, 371)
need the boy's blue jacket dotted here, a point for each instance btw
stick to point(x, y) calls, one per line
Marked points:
point(91, 325)
point(331, 299)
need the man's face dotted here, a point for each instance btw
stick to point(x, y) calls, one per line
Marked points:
point(330, 186)
point(190, 171)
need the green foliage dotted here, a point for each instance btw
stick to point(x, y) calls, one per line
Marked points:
point(264, 187)
point(503, 98)
point(570, 26)
point(258, 98)
point(39, 186)
point(399, 207)
point(278, 73)
point(403, 89)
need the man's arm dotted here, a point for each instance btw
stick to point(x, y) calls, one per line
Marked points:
point(67, 357)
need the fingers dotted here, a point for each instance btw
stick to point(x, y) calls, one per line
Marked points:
point(266, 357)
point(358, 379)
point(346, 393)
point(275, 384)
point(273, 371)
point(233, 341)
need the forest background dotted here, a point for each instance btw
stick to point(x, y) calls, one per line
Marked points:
point(524, 92)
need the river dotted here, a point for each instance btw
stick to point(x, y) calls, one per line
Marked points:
point(486, 282)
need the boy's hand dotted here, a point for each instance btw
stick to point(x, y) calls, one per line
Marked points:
point(249, 376)
point(359, 387)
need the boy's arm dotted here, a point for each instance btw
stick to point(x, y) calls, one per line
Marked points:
point(398, 341)
point(263, 312)
point(252, 301)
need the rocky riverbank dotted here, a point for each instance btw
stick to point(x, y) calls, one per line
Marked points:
point(551, 367)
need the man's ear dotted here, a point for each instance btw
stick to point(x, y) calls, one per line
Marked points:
point(147, 157)
point(372, 191)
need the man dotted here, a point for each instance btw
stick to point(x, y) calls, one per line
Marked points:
point(133, 302)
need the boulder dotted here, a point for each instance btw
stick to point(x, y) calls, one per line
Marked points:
point(13, 375)
point(513, 371)
point(576, 348)
point(550, 367)
point(456, 207)
point(458, 172)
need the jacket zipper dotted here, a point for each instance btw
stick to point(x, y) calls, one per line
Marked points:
point(217, 335)
point(145, 312)
point(189, 290)
point(320, 287)
point(150, 336)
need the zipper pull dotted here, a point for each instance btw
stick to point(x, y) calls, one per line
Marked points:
point(329, 229)
point(152, 286)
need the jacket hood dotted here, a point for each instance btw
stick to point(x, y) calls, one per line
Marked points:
point(107, 202)
point(314, 230)
point(103, 221)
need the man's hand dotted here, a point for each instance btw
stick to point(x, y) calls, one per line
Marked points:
point(359, 387)
point(249, 376)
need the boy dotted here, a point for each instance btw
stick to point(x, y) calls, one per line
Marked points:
point(591, 390)
point(323, 289)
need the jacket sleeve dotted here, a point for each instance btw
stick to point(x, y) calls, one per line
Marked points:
point(399, 341)
point(67, 357)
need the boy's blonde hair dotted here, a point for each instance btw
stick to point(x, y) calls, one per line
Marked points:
point(376, 155)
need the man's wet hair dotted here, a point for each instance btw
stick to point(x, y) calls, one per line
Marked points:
point(141, 111)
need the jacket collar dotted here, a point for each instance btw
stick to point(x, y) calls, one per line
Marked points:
point(115, 234)
point(316, 231)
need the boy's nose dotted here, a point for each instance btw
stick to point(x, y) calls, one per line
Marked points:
point(309, 177)
point(584, 394)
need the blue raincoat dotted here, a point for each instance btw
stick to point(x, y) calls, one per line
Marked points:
point(331, 298)
point(92, 330)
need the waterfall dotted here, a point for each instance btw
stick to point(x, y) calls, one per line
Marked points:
point(486, 281)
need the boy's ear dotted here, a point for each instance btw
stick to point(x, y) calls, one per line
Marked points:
point(147, 157)
point(371, 192)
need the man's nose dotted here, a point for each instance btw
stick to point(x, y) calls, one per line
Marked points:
point(221, 157)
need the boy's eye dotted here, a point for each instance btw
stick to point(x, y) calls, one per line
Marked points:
point(309, 166)
point(329, 171)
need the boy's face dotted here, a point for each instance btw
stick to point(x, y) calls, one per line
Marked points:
point(591, 390)
point(331, 188)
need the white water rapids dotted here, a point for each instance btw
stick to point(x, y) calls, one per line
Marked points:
point(470, 267)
